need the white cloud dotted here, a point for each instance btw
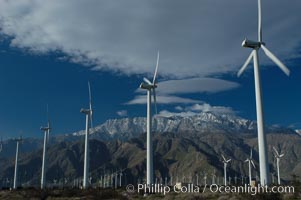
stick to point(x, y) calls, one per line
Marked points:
point(195, 38)
point(179, 108)
point(208, 108)
point(167, 90)
point(195, 85)
point(122, 113)
point(196, 109)
point(141, 99)
point(166, 113)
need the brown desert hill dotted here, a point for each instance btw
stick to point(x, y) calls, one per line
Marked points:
point(176, 155)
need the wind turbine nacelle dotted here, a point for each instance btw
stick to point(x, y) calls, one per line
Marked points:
point(44, 128)
point(147, 86)
point(85, 111)
point(251, 44)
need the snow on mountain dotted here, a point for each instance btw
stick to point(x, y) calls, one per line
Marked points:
point(298, 131)
point(203, 122)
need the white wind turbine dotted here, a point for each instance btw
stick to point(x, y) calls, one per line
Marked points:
point(150, 87)
point(213, 176)
point(18, 140)
point(225, 161)
point(256, 45)
point(250, 162)
point(46, 138)
point(205, 179)
point(278, 156)
point(88, 113)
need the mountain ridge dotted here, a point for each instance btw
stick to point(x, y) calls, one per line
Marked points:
point(201, 122)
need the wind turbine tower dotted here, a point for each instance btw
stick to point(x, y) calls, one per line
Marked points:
point(278, 156)
point(255, 46)
point(18, 140)
point(150, 87)
point(251, 163)
point(88, 113)
point(46, 138)
point(225, 161)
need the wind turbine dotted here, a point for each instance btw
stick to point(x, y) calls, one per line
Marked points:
point(225, 161)
point(250, 162)
point(256, 45)
point(150, 87)
point(235, 179)
point(120, 179)
point(18, 140)
point(88, 113)
point(278, 156)
point(213, 177)
point(46, 137)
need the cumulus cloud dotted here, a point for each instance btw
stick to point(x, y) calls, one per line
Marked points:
point(122, 113)
point(196, 109)
point(166, 113)
point(208, 108)
point(179, 108)
point(195, 38)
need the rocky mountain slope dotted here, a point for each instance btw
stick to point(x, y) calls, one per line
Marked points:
point(181, 156)
point(185, 146)
point(127, 128)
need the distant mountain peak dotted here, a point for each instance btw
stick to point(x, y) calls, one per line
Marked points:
point(298, 131)
point(203, 122)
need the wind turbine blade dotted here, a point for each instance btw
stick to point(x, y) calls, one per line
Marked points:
point(253, 164)
point(91, 120)
point(48, 131)
point(259, 22)
point(229, 160)
point(251, 154)
point(247, 160)
point(147, 81)
point(242, 69)
point(48, 115)
point(275, 60)
point(48, 124)
point(224, 158)
point(281, 155)
point(90, 104)
point(155, 100)
point(90, 95)
point(275, 150)
point(156, 70)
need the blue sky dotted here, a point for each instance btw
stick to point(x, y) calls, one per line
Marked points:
point(49, 51)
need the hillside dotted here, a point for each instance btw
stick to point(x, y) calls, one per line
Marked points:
point(181, 155)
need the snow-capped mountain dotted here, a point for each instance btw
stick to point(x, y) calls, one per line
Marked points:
point(298, 131)
point(198, 123)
